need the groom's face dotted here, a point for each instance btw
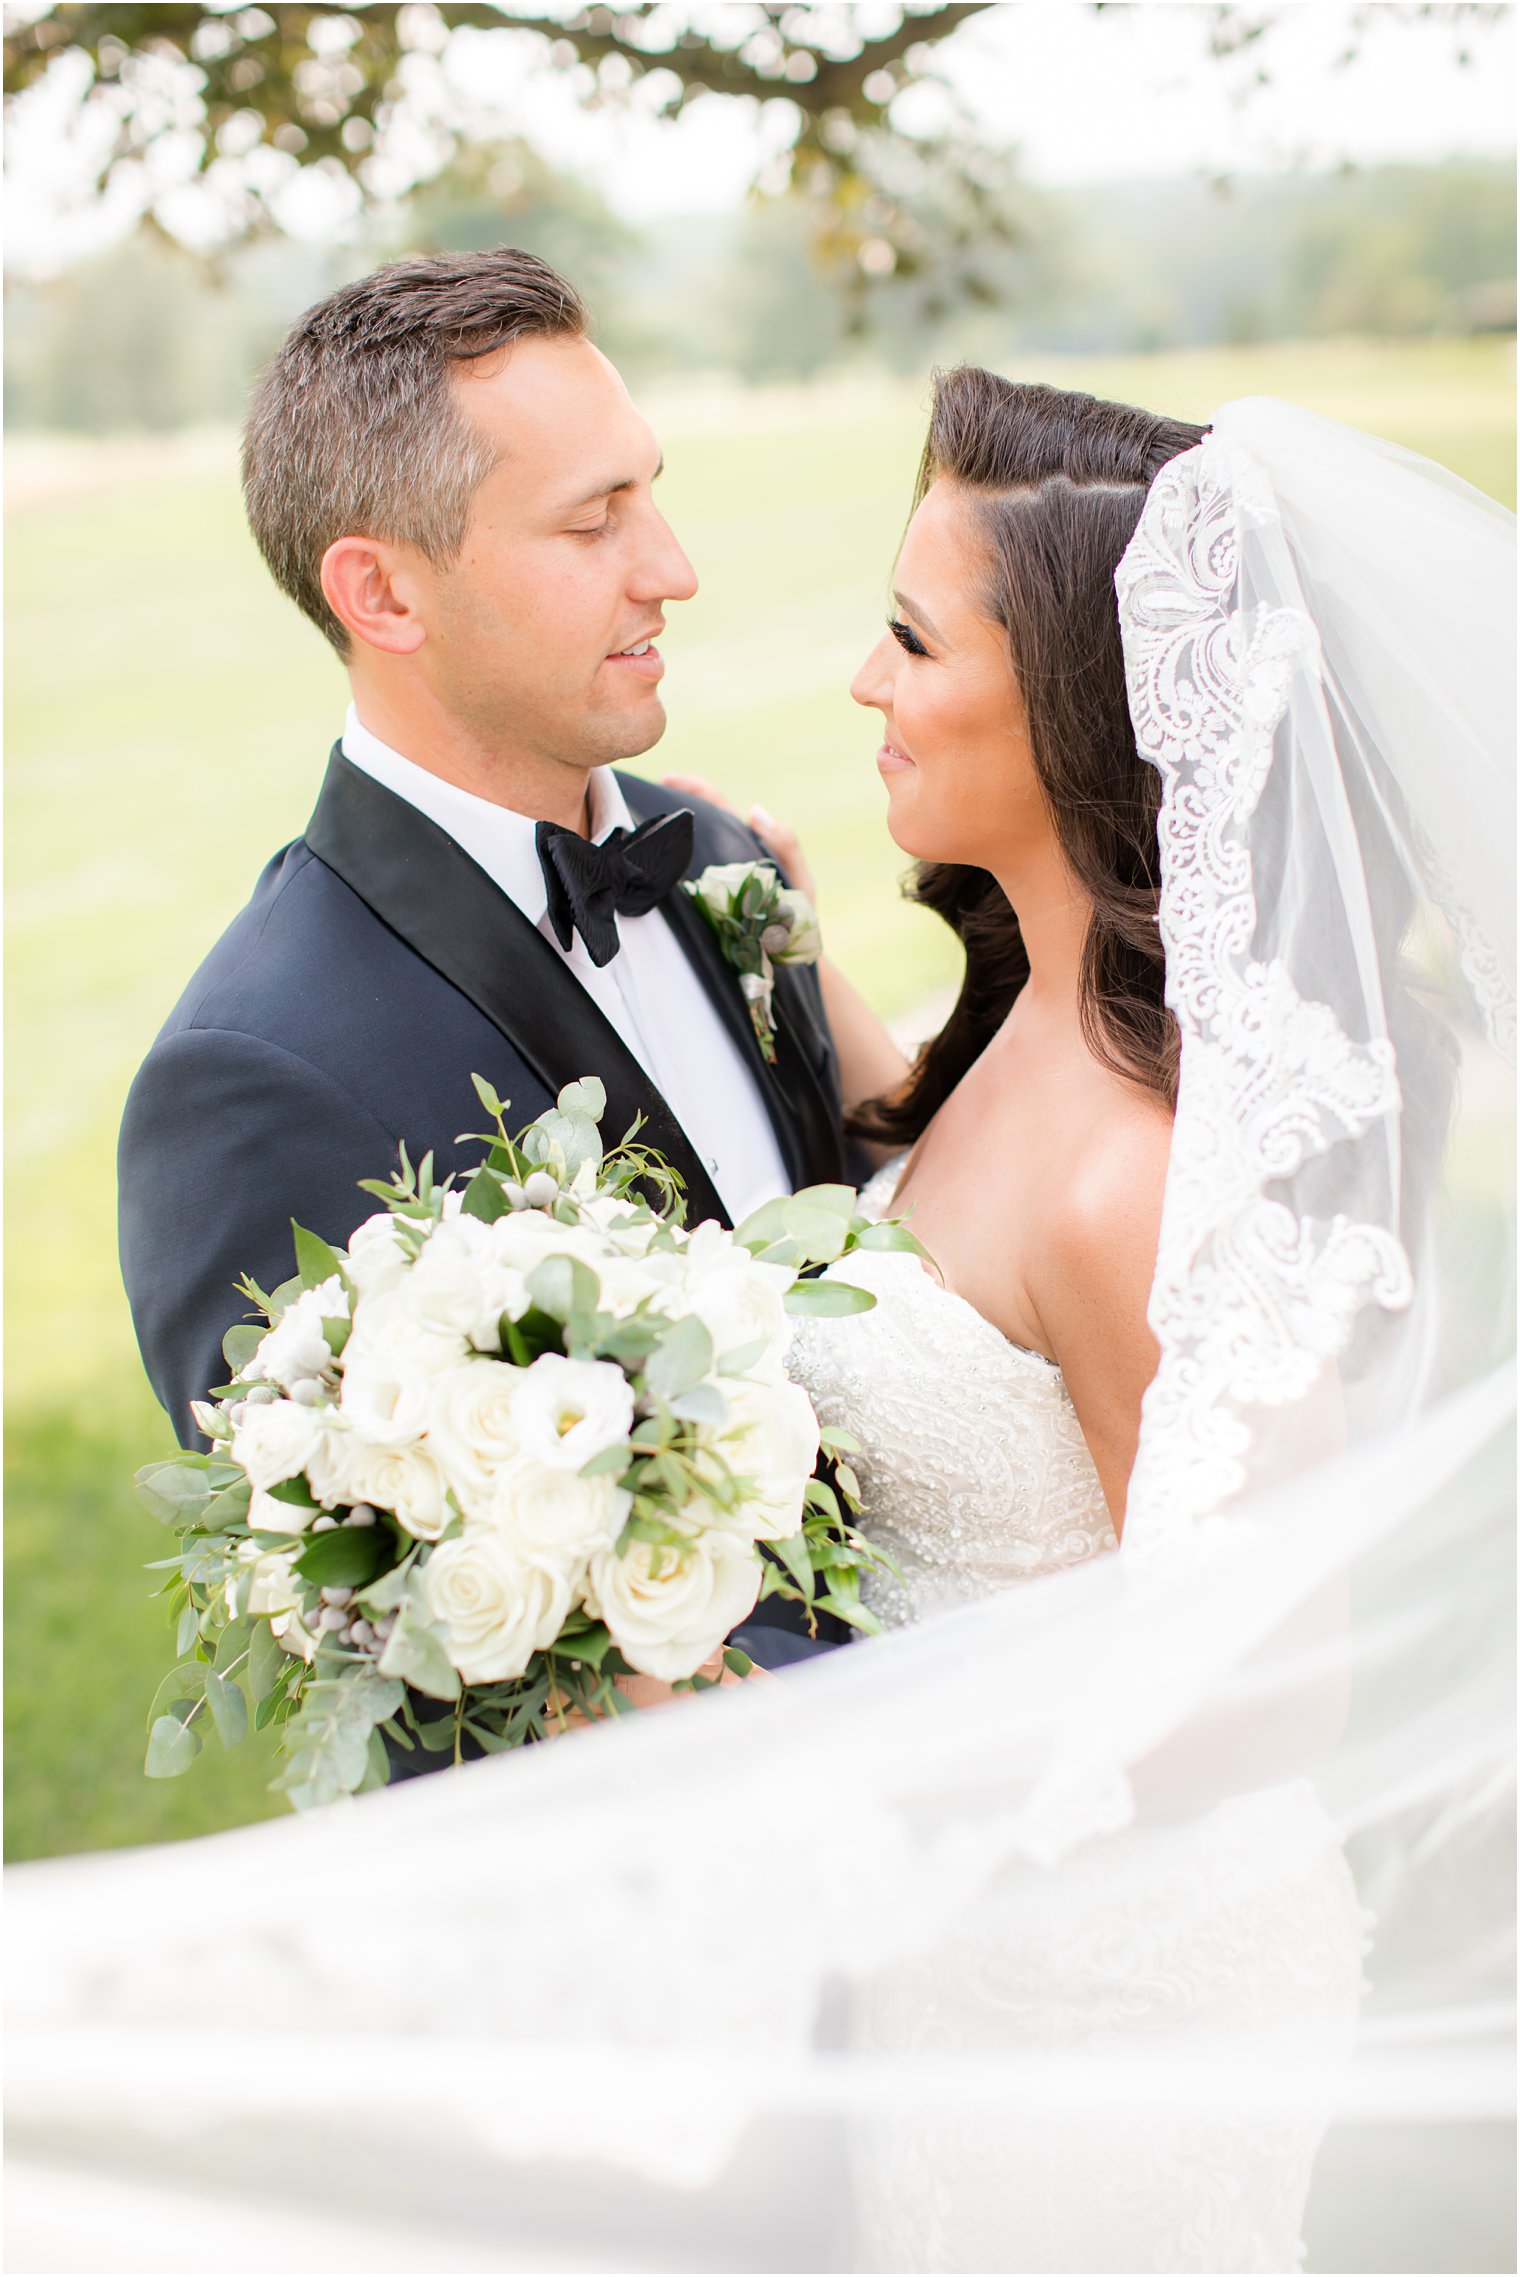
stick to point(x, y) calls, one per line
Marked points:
point(566, 567)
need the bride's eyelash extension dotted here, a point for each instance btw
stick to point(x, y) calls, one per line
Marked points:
point(906, 637)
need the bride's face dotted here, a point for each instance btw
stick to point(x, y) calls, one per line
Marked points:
point(955, 756)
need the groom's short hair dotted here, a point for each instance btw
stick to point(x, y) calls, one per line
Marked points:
point(354, 429)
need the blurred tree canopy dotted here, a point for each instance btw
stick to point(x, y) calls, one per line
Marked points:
point(234, 106)
point(259, 93)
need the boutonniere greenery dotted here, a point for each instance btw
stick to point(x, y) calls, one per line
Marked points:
point(760, 923)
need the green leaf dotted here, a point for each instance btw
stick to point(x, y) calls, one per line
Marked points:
point(269, 1707)
point(833, 1201)
point(819, 1235)
point(738, 1663)
point(415, 1652)
point(483, 1198)
point(316, 1259)
point(295, 1492)
point(187, 1631)
point(793, 1554)
point(350, 1557)
point(742, 1358)
point(845, 1477)
point(681, 1359)
point(385, 1595)
point(608, 1464)
point(827, 1300)
point(268, 1660)
point(232, 1643)
point(240, 1344)
point(229, 1708)
point(763, 1226)
point(377, 1769)
point(839, 1442)
point(888, 1236)
point(564, 1288)
point(176, 1491)
point(495, 1106)
point(704, 1403)
point(184, 1682)
point(171, 1749)
point(328, 1738)
point(588, 1097)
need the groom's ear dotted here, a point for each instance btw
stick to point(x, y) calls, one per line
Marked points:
point(374, 593)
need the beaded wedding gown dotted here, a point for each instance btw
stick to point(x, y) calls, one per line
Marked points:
point(976, 1478)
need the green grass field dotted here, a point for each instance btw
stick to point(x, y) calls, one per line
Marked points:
point(167, 719)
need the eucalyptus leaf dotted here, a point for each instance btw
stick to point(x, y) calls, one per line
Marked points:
point(240, 1344)
point(229, 1708)
point(833, 1201)
point(267, 1660)
point(186, 1681)
point(762, 1226)
point(171, 1749)
point(683, 1356)
point(743, 1357)
point(889, 1235)
point(176, 1491)
point(186, 1632)
point(819, 1234)
point(588, 1097)
point(328, 1738)
point(563, 1287)
point(704, 1403)
point(827, 1300)
point(415, 1652)
point(233, 1642)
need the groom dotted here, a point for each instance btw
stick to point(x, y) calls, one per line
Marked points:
point(450, 480)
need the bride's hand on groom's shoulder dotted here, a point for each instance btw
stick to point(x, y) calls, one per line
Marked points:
point(774, 836)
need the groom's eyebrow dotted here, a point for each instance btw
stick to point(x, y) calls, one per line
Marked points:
point(922, 616)
point(611, 489)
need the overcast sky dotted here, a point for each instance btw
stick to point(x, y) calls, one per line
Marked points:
point(1084, 97)
point(1126, 94)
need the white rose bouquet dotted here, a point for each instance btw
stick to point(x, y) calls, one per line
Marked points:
point(522, 1437)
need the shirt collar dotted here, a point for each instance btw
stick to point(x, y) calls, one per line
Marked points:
point(498, 839)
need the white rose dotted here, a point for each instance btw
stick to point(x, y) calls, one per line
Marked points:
point(498, 1605)
point(386, 1396)
point(266, 1516)
point(461, 1284)
point(377, 1255)
point(390, 1323)
point(804, 944)
point(604, 1211)
point(404, 1480)
point(569, 1410)
point(524, 1238)
point(720, 881)
point(738, 1302)
point(275, 1440)
point(772, 1439)
point(556, 1515)
point(628, 1282)
point(667, 1612)
point(471, 1429)
point(296, 1349)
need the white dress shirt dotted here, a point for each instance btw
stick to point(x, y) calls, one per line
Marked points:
point(648, 991)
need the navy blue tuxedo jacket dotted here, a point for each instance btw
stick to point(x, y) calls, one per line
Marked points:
point(374, 971)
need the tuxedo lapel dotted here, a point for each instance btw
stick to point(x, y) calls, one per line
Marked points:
point(804, 1118)
point(422, 885)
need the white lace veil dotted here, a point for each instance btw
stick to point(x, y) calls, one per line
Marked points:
point(1030, 1938)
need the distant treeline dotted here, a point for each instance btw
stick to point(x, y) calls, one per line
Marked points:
point(145, 338)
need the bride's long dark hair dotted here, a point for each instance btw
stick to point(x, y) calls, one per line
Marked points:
point(1058, 481)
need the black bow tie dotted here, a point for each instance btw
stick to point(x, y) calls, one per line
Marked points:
point(590, 887)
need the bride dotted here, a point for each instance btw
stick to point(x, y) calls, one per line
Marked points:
point(1034, 1935)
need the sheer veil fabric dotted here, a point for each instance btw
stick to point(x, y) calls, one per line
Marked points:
point(1155, 1913)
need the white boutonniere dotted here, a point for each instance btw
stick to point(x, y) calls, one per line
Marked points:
point(760, 923)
